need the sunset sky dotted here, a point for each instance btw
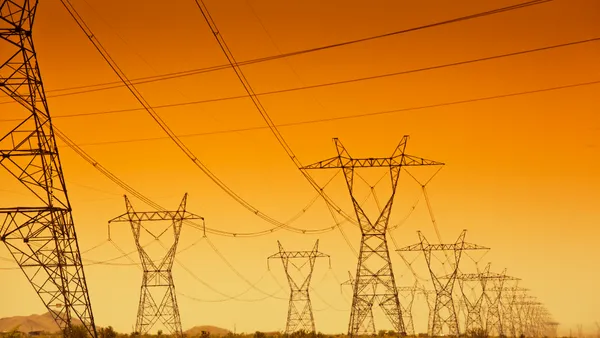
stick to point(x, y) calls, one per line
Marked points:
point(522, 171)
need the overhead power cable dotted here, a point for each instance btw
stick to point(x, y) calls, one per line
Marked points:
point(327, 84)
point(161, 77)
point(346, 117)
point(264, 114)
point(334, 83)
point(81, 23)
point(115, 179)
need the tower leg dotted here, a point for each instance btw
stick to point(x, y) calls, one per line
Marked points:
point(43, 243)
point(374, 282)
point(40, 236)
point(300, 316)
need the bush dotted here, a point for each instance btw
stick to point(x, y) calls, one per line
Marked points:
point(478, 333)
point(108, 332)
point(77, 331)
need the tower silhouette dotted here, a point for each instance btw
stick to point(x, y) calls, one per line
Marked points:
point(369, 323)
point(375, 280)
point(157, 280)
point(40, 234)
point(300, 315)
point(444, 316)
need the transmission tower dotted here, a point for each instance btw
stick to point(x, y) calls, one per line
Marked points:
point(430, 300)
point(494, 320)
point(41, 235)
point(369, 322)
point(444, 311)
point(157, 280)
point(473, 307)
point(374, 274)
point(529, 311)
point(300, 316)
point(407, 293)
point(509, 307)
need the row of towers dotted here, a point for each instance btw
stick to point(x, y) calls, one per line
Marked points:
point(41, 236)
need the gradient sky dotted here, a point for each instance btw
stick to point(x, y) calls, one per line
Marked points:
point(522, 172)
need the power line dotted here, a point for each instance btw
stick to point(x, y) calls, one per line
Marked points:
point(334, 83)
point(362, 115)
point(104, 53)
point(115, 179)
point(166, 76)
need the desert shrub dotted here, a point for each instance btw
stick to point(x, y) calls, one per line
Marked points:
point(77, 331)
point(477, 333)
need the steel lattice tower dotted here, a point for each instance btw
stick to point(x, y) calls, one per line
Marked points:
point(375, 280)
point(300, 316)
point(444, 311)
point(495, 323)
point(40, 236)
point(157, 279)
point(474, 307)
point(408, 293)
point(509, 307)
point(369, 321)
point(430, 300)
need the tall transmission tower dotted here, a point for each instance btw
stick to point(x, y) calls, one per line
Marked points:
point(369, 321)
point(300, 316)
point(375, 280)
point(444, 314)
point(157, 280)
point(41, 235)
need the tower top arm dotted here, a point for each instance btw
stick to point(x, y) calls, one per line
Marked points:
point(443, 247)
point(298, 254)
point(473, 277)
point(402, 160)
point(398, 159)
point(145, 216)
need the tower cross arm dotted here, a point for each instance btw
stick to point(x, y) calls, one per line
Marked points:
point(413, 161)
point(414, 247)
point(299, 254)
point(334, 162)
point(470, 246)
point(155, 216)
point(443, 247)
point(372, 162)
point(473, 277)
point(466, 277)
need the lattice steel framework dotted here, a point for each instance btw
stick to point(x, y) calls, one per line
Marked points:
point(496, 324)
point(407, 293)
point(510, 296)
point(157, 279)
point(533, 316)
point(300, 316)
point(444, 311)
point(473, 306)
point(41, 236)
point(375, 280)
point(369, 321)
point(430, 300)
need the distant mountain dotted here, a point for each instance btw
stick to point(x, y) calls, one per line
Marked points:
point(213, 330)
point(30, 323)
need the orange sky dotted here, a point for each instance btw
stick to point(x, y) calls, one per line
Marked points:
point(522, 172)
